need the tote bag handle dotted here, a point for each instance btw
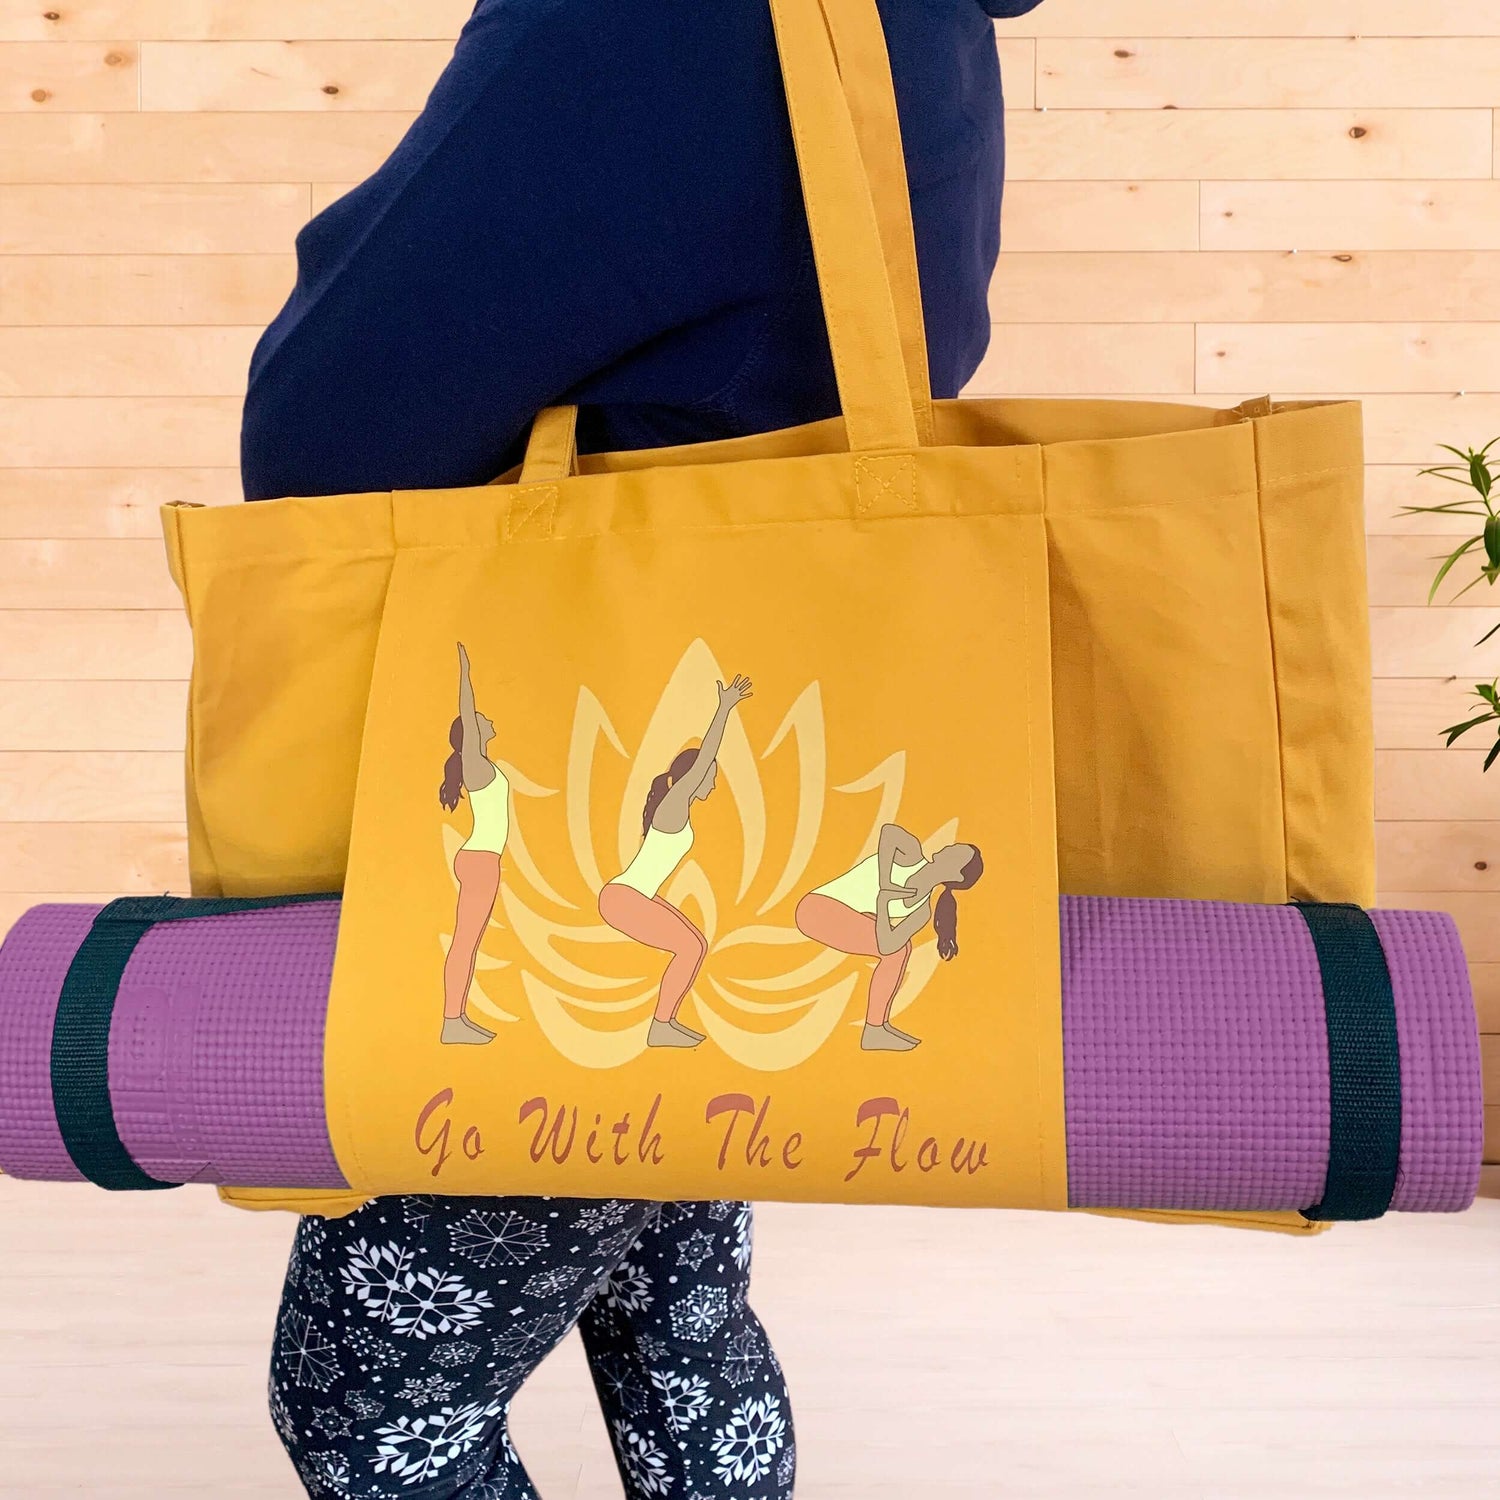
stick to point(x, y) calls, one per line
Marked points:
point(842, 107)
point(865, 73)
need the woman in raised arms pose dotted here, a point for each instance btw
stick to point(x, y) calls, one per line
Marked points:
point(476, 865)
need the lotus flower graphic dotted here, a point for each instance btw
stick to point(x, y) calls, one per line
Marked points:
point(766, 995)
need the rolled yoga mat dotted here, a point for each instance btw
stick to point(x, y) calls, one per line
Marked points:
point(1196, 1039)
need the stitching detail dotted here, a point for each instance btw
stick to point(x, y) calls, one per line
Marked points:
point(530, 510)
point(222, 564)
point(1277, 666)
point(1350, 468)
point(886, 485)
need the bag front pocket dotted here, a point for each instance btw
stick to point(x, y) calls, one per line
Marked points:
point(720, 863)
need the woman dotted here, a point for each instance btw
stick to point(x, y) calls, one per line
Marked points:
point(878, 907)
point(476, 865)
point(598, 204)
point(631, 903)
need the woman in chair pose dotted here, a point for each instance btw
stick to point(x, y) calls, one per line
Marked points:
point(632, 904)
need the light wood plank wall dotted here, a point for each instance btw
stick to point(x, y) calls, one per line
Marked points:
point(1216, 198)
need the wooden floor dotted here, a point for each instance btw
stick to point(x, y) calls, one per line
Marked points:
point(934, 1356)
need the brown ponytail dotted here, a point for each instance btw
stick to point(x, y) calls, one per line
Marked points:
point(663, 784)
point(945, 909)
point(453, 772)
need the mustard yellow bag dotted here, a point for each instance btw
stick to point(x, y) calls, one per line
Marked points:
point(656, 783)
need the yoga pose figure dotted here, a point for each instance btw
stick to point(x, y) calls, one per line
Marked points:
point(878, 907)
point(477, 863)
point(630, 903)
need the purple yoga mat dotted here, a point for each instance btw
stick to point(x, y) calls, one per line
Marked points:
point(215, 1056)
point(1195, 1053)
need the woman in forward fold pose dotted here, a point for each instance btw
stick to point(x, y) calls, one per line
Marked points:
point(632, 904)
point(878, 907)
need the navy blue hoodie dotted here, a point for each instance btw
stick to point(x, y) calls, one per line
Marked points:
point(599, 204)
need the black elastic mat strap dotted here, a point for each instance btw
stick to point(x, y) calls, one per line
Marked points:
point(1364, 1064)
point(85, 1013)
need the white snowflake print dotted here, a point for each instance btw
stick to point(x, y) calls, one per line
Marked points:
point(695, 1249)
point(418, 1303)
point(417, 1448)
point(508, 1448)
point(497, 1239)
point(331, 1422)
point(307, 1244)
point(317, 1286)
point(492, 1489)
point(601, 1216)
point(454, 1356)
point(744, 1236)
point(786, 1470)
point(331, 1467)
point(628, 1288)
point(720, 1210)
point(550, 1283)
point(617, 1243)
point(417, 1208)
point(374, 1353)
point(504, 1380)
point(664, 1215)
point(310, 1357)
point(747, 1445)
point(280, 1416)
point(684, 1397)
point(374, 1270)
point(644, 1463)
point(699, 1315)
point(366, 1408)
point(529, 1338)
point(426, 1390)
point(745, 1356)
point(623, 1382)
point(653, 1348)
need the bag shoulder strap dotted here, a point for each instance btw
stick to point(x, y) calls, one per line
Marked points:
point(865, 72)
point(842, 106)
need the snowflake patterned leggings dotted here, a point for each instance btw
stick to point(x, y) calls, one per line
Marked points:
point(407, 1328)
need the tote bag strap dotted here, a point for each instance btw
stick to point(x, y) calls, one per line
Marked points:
point(849, 152)
point(865, 72)
point(857, 300)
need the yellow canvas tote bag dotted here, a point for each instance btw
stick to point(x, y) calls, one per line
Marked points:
point(653, 769)
point(886, 581)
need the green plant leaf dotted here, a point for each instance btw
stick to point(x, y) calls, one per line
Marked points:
point(1458, 552)
point(1489, 692)
point(1459, 729)
point(1492, 541)
point(1479, 474)
point(1493, 630)
point(1492, 757)
point(1448, 508)
point(1451, 472)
